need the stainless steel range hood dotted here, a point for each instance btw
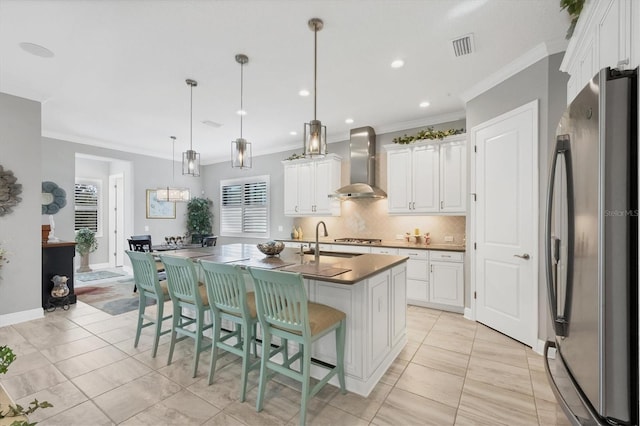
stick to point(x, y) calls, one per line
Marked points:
point(363, 167)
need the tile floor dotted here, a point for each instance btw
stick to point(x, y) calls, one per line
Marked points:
point(452, 371)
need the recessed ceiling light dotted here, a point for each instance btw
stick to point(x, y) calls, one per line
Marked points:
point(349, 120)
point(303, 92)
point(211, 123)
point(292, 133)
point(36, 49)
point(241, 112)
point(398, 63)
point(424, 104)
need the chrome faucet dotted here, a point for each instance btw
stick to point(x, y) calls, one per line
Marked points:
point(326, 234)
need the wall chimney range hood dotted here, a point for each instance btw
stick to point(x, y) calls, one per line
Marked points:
point(362, 147)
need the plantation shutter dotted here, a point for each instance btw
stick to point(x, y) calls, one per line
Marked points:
point(245, 207)
point(86, 206)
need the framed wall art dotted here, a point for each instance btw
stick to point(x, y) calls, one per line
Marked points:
point(159, 209)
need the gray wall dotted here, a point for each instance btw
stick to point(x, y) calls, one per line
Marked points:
point(20, 232)
point(542, 81)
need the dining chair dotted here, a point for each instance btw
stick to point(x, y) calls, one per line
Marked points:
point(146, 278)
point(187, 294)
point(142, 243)
point(284, 311)
point(229, 300)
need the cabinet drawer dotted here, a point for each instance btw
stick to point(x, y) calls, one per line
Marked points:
point(414, 253)
point(384, 250)
point(447, 256)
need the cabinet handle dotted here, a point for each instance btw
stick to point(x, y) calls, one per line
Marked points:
point(296, 209)
point(431, 268)
point(413, 254)
point(441, 205)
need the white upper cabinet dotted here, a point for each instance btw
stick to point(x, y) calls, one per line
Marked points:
point(427, 177)
point(453, 172)
point(606, 36)
point(307, 185)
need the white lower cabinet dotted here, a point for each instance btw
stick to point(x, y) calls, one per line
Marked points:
point(435, 279)
point(417, 275)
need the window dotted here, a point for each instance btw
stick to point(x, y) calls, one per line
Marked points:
point(244, 207)
point(87, 196)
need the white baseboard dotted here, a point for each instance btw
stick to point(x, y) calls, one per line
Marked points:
point(99, 266)
point(22, 316)
point(468, 314)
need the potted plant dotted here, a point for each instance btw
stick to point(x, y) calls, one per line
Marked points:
point(11, 413)
point(199, 219)
point(85, 243)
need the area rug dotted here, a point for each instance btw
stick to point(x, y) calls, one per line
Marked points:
point(114, 297)
point(96, 275)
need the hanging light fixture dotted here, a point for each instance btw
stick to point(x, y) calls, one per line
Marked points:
point(172, 193)
point(190, 158)
point(240, 148)
point(315, 134)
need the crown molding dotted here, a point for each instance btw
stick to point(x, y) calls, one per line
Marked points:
point(539, 52)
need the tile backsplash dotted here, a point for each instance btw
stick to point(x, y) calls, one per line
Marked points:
point(368, 218)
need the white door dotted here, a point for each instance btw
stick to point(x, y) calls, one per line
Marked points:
point(324, 185)
point(506, 164)
point(116, 220)
point(306, 174)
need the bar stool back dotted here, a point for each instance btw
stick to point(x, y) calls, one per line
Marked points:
point(284, 311)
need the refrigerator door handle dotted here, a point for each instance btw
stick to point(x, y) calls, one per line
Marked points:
point(552, 247)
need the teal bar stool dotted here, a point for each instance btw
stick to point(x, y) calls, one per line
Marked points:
point(229, 300)
point(284, 311)
point(146, 279)
point(187, 293)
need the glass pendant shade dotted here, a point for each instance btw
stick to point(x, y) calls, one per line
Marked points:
point(315, 134)
point(240, 148)
point(173, 194)
point(315, 139)
point(190, 158)
point(191, 163)
point(241, 153)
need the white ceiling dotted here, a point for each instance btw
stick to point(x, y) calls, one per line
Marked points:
point(118, 75)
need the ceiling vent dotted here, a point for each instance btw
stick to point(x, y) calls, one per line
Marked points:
point(463, 45)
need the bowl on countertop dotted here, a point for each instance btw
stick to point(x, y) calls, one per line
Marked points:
point(271, 248)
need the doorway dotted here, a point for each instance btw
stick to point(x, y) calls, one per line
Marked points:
point(504, 284)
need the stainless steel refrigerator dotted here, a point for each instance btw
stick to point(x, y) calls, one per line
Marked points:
point(592, 254)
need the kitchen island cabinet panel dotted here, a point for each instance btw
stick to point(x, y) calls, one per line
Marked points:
point(379, 323)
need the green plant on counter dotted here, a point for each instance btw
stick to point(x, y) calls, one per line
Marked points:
point(6, 358)
point(574, 8)
point(427, 133)
point(86, 241)
point(199, 218)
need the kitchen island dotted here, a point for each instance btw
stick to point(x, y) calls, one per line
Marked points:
point(369, 288)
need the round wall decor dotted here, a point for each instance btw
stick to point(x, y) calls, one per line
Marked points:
point(9, 191)
point(53, 198)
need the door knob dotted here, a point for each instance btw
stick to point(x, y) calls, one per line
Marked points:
point(523, 256)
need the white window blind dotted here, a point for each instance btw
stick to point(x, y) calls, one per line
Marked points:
point(244, 207)
point(86, 206)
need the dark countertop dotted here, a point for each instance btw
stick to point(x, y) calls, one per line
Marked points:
point(360, 267)
point(386, 243)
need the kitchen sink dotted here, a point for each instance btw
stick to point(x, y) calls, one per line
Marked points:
point(333, 253)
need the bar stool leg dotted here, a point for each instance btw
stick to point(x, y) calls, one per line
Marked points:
point(340, 343)
point(266, 346)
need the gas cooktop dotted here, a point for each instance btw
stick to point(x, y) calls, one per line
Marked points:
point(358, 240)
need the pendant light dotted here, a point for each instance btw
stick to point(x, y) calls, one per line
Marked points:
point(190, 158)
point(172, 193)
point(240, 148)
point(315, 134)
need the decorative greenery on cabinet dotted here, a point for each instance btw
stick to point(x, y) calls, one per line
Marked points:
point(574, 8)
point(428, 133)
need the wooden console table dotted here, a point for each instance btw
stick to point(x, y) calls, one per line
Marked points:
point(57, 259)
